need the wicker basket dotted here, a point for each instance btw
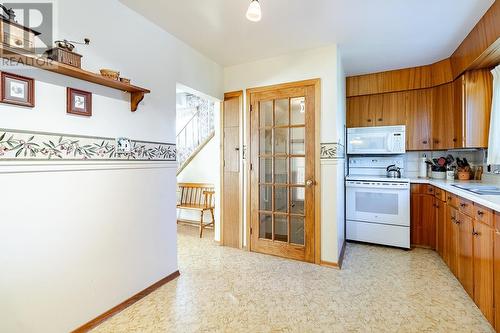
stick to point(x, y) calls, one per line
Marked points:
point(110, 74)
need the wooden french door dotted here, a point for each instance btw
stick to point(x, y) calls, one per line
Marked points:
point(282, 175)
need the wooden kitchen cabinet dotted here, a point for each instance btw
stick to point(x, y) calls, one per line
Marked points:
point(423, 216)
point(453, 240)
point(465, 263)
point(467, 236)
point(393, 111)
point(443, 131)
point(472, 108)
point(452, 200)
point(451, 115)
point(483, 269)
point(496, 270)
point(418, 120)
point(483, 214)
point(376, 110)
point(358, 112)
point(441, 228)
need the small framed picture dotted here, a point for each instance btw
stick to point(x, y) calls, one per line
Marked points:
point(17, 90)
point(79, 102)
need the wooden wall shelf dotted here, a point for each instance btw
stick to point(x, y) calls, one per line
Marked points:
point(136, 93)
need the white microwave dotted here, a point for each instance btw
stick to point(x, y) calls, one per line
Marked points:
point(376, 140)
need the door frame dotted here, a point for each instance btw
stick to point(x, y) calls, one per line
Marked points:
point(230, 95)
point(317, 158)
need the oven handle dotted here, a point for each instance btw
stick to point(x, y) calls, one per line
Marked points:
point(376, 185)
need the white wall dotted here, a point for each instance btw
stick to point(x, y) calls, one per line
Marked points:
point(318, 63)
point(76, 241)
point(205, 168)
point(341, 167)
point(323, 63)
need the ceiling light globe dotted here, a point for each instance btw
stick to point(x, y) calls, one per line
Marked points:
point(254, 12)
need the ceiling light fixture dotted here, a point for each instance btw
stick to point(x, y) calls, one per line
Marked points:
point(254, 12)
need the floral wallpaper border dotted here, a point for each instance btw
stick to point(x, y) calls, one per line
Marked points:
point(332, 151)
point(26, 145)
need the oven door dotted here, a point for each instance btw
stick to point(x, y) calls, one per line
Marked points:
point(378, 202)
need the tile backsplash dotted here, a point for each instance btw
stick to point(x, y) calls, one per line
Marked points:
point(475, 158)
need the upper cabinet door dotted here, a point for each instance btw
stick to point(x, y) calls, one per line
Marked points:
point(393, 110)
point(478, 99)
point(418, 119)
point(459, 112)
point(359, 113)
point(443, 133)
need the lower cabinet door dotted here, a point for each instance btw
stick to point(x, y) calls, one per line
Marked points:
point(441, 226)
point(423, 216)
point(465, 267)
point(483, 269)
point(453, 240)
point(496, 274)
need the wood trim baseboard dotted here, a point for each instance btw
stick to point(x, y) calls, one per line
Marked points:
point(416, 246)
point(329, 264)
point(334, 264)
point(122, 306)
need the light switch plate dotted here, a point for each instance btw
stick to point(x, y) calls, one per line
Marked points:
point(123, 146)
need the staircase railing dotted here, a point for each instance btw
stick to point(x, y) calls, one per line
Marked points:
point(194, 134)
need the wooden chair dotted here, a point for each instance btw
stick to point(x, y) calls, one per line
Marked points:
point(200, 197)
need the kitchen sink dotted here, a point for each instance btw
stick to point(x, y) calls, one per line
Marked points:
point(479, 189)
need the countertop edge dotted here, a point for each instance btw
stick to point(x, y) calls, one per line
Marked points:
point(485, 201)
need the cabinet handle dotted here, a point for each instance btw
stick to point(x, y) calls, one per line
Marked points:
point(463, 205)
point(425, 142)
point(457, 222)
point(480, 213)
point(475, 233)
point(369, 120)
point(453, 219)
point(455, 140)
point(436, 141)
point(380, 119)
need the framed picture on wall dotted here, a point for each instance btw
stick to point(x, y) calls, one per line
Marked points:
point(79, 102)
point(17, 90)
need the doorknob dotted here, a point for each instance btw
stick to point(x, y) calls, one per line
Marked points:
point(310, 183)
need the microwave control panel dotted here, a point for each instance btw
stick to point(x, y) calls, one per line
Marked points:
point(398, 142)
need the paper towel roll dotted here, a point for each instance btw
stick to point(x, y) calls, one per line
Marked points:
point(422, 168)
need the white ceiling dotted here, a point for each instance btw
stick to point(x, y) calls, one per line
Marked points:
point(373, 35)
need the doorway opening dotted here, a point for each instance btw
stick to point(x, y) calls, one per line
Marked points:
point(198, 138)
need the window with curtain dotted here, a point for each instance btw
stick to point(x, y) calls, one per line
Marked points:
point(494, 140)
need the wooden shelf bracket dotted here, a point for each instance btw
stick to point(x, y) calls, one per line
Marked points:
point(135, 99)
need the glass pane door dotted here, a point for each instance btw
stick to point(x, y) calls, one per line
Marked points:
point(282, 163)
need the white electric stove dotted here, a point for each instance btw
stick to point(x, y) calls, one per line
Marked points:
point(378, 207)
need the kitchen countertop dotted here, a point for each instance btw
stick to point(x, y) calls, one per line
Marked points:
point(489, 201)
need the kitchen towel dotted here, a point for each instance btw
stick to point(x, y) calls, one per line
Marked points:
point(494, 142)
